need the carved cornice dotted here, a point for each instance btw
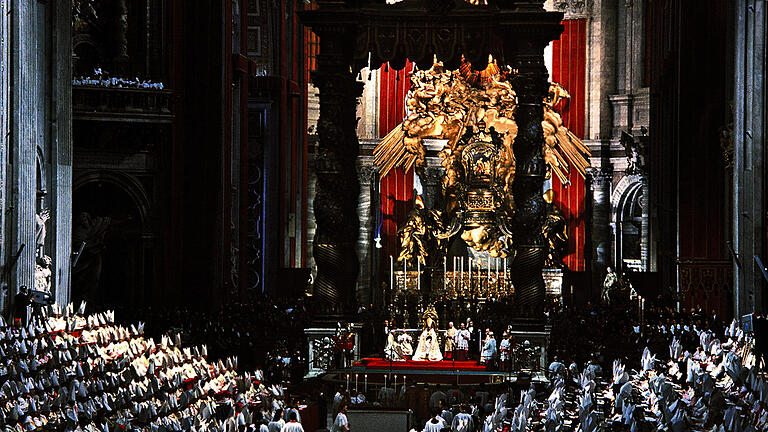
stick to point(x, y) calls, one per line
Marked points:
point(574, 9)
point(600, 177)
point(367, 172)
point(410, 30)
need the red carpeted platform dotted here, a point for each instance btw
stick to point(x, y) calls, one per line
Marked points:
point(444, 365)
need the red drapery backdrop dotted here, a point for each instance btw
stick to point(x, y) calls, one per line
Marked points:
point(397, 186)
point(569, 69)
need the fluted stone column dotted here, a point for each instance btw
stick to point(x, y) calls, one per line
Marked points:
point(337, 188)
point(367, 218)
point(23, 128)
point(5, 113)
point(60, 225)
point(600, 186)
point(645, 224)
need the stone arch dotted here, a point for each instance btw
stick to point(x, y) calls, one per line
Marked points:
point(129, 184)
point(618, 192)
point(110, 215)
point(626, 219)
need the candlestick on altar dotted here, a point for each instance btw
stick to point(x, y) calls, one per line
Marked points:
point(355, 383)
point(394, 385)
point(405, 273)
point(505, 271)
point(489, 267)
point(385, 381)
point(365, 384)
point(454, 273)
point(470, 271)
point(347, 382)
point(391, 272)
point(445, 272)
point(418, 274)
point(461, 271)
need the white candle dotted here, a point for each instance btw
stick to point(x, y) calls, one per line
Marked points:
point(454, 273)
point(470, 271)
point(461, 271)
point(347, 382)
point(391, 272)
point(365, 386)
point(445, 272)
point(489, 267)
point(355, 383)
point(505, 272)
point(385, 381)
point(405, 273)
point(394, 385)
point(418, 274)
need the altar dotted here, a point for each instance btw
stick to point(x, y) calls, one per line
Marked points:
point(482, 245)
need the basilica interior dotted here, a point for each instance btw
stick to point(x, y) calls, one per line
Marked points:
point(383, 215)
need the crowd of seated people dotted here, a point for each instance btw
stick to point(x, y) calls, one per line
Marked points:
point(264, 333)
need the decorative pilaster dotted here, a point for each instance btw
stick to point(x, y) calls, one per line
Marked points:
point(367, 217)
point(600, 185)
point(25, 97)
point(530, 83)
point(337, 189)
point(61, 153)
point(5, 112)
point(749, 133)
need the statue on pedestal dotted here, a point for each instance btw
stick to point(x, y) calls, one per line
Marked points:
point(610, 281)
point(43, 261)
point(418, 239)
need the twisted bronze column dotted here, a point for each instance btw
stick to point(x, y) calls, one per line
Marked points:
point(337, 187)
point(530, 82)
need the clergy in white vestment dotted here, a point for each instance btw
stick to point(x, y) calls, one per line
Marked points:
point(462, 342)
point(341, 424)
point(489, 348)
point(292, 425)
point(435, 424)
point(462, 422)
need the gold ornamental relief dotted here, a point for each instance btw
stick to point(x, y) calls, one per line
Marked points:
point(474, 112)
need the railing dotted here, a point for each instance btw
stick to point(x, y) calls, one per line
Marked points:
point(122, 104)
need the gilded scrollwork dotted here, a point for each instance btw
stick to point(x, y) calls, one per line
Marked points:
point(475, 113)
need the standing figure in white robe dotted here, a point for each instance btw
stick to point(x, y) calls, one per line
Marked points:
point(505, 352)
point(489, 348)
point(429, 344)
point(450, 340)
point(462, 342)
